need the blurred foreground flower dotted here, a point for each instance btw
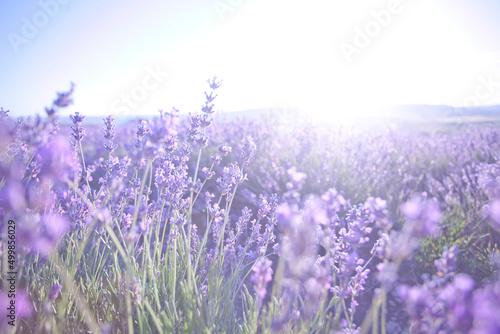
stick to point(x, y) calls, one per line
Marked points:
point(54, 291)
point(262, 274)
point(424, 214)
point(247, 150)
point(22, 305)
point(56, 159)
point(41, 234)
point(492, 211)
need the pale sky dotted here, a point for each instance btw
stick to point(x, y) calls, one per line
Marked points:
point(330, 57)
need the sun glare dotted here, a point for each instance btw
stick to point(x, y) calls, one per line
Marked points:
point(283, 61)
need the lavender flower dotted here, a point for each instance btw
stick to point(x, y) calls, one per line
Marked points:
point(136, 291)
point(109, 128)
point(378, 212)
point(109, 134)
point(208, 174)
point(217, 215)
point(447, 264)
point(208, 108)
point(264, 207)
point(44, 240)
point(424, 215)
point(231, 177)
point(201, 140)
point(142, 131)
point(78, 131)
point(206, 121)
point(248, 150)
point(486, 310)
point(65, 99)
point(216, 159)
point(214, 84)
point(54, 291)
point(334, 201)
point(56, 159)
point(380, 247)
point(23, 308)
point(224, 149)
point(443, 304)
point(211, 97)
point(262, 275)
point(242, 223)
point(170, 143)
point(356, 285)
point(297, 178)
point(493, 213)
point(4, 114)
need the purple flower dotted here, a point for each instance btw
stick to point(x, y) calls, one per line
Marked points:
point(319, 283)
point(387, 273)
point(136, 291)
point(78, 131)
point(443, 303)
point(214, 84)
point(23, 308)
point(248, 150)
point(109, 128)
point(54, 291)
point(218, 215)
point(170, 143)
point(64, 99)
point(109, 134)
point(315, 213)
point(142, 131)
point(356, 284)
point(231, 177)
point(296, 177)
point(224, 149)
point(4, 113)
point(126, 221)
point(206, 120)
point(210, 97)
point(284, 215)
point(447, 264)
point(424, 214)
point(493, 212)
point(264, 207)
point(194, 239)
point(56, 159)
point(334, 201)
point(207, 108)
point(243, 220)
point(201, 140)
point(55, 227)
point(195, 120)
point(486, 310)
point(380, 247)
point(208, 174)
point(378, 212)
point(415, 299)
point(262, 275)
point(216, 159)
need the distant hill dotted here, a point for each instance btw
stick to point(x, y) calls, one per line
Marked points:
point(423, 111)
point(399, 113)
point(227, 115)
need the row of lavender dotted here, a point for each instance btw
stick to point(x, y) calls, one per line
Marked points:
point(173, 225)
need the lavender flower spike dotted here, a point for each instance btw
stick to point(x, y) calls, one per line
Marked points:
point(262, 274)
point(248, 150)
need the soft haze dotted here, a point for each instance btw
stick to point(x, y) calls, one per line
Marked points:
point(332, 58)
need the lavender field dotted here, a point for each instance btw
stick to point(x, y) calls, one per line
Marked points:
point(269, 225)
